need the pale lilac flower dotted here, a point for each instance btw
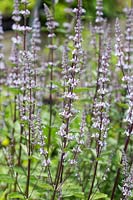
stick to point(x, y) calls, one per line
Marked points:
point(2, 63)
point(119, 46)
point(128, 178)
point(99, 17)
point(35, 40)
point(100, 117)
point(16, 13)
point(51, 24)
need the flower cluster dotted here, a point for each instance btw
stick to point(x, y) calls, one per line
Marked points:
point(124, 54)
point(128, 178)
point(77, 149)
point(41, 141)
point(16, 12)
point(27, 83)
point(2, 64)
point(35, 40)
point(51, 24)
point(101, 106)
point(128, 73)
point(14, 75)
point(71, 70)
point(99, 17)
point(119, 45)
point(65, 64)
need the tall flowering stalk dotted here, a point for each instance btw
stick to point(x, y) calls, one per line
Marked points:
point(51, 25)
point(100, 120)
point(14, 76)
point(2, 67)
point(21, 98)
point(125, 62)
point(119, 48)
point(35, 49)
point(26, 110)
point(69, 97)
point(25, 99)
point(99, 29)
point(65, 67)
point(128, 178)
point(2, 64)
point(128, 77)
point(77, 149)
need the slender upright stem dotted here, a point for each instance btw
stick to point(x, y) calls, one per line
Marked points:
point(13, 130)
point(13, 139)
point(25, 32)
point(127, 140)
point(60, 167)
point(50, 96)
point(118, 170)
point(22, 127)
point(96, 163)
point(66, 121)
point(98, 146)
point(15, 106)
point(93, 180)
point(98, 67)
point(29, 146)
point(29, 164)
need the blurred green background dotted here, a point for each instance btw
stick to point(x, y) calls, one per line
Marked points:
point(111, 7)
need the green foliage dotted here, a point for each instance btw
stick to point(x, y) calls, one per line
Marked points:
point(6, 7)
point(24, 143)
point(70, 191)
point(4, 178)
point(100, 196)
point(15, 195)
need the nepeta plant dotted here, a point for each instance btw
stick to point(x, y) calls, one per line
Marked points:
point(2, 64)
point(51, 25)
point(124, 63)
point(66, 107)
point(128, 176)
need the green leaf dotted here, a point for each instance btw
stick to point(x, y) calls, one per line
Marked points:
point(17, 126)
point(74, 194)
point(99, 196)
point(70, 190)
point(93, 151)
point(88, 119)
point(24, 148)
point(81, 89)
point(35, 157)
point(45, 186)
point(123, 105)
point(79, 195)
point(3, 194)
point(19, 170)
point(118, 156)
point(6, 178)
point(15, 195)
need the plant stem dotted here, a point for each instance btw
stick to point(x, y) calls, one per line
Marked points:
point(118, 170)
point(15, 106)
point(50, 95)
point(98, 73)
point(93, 180)
point(29, 144)
point(66, 121)
point(60, 167)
